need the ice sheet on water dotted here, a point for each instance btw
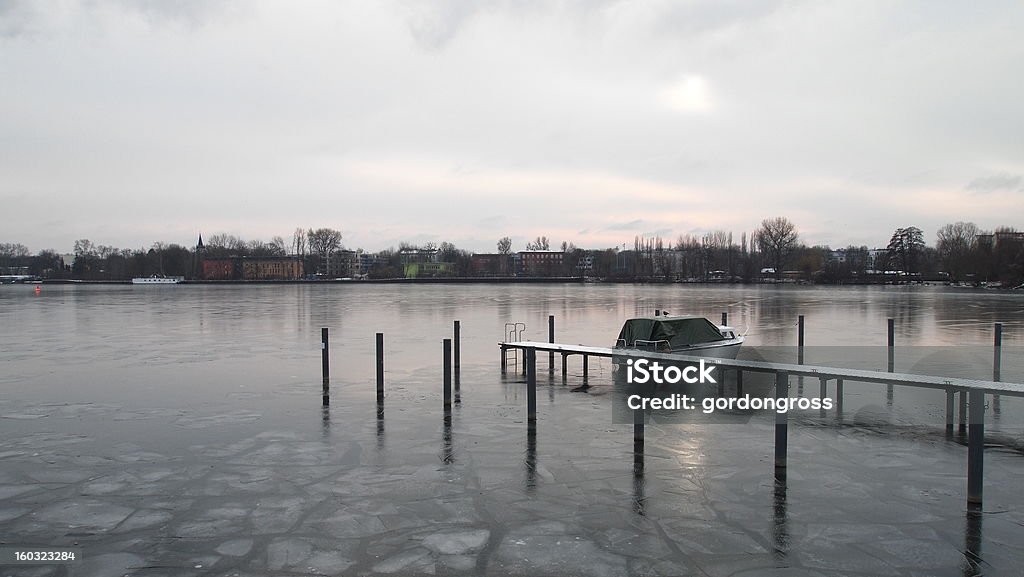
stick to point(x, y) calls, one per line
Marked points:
point(83, 515)
point(457, 542)
point(235, 547)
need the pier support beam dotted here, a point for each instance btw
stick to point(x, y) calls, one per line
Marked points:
point(839, 399)
point(781, 425)
point(823, 391)
point(531, 388)
point(586, 368)
point(962, 428)
point(325, 360)
point(950, 416)
point(565, 368)
point(976, 450)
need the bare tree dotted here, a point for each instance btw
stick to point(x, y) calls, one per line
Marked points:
point(777, 238)
point(504, 245)
point(955, 242)
point(299, 241)
point(541, 243)
point(277, 246)
point(323, 242)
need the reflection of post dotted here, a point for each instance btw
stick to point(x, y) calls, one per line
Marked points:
point(976, 450)
point(325, 421)
point(780, 530)
point(531, 388)
point(447, 452)
point(781, 425)
point(380, 430)
point(531, 460)
point(972, 544)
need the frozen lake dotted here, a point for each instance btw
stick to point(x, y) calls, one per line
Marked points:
point(178, 431)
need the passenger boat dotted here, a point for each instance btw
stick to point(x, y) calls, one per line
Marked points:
point(158, 279)
point(685, 335)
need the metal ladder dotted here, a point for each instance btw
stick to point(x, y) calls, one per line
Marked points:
point(513, 333)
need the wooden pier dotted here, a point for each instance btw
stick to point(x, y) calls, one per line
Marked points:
point(975, 389)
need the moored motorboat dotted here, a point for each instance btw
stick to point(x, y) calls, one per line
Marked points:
point(158, 280)
point(683, 335)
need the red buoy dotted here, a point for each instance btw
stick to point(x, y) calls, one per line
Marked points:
point(39, 289)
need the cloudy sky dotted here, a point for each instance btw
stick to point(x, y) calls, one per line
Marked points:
point(129, 122)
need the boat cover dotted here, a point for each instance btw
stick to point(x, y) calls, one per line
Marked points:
point(678, 331)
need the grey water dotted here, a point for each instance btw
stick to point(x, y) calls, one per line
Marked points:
point(179, 430)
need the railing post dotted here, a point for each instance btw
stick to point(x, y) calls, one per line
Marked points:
point(976, 450)
point(380, 368)
point(531, 388)
point(447, 348)
point(325, 359)
point(551, 339)
point(781, 423)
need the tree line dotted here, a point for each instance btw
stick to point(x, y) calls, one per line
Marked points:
point(962, 252)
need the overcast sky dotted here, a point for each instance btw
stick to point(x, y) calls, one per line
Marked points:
point(129, 122)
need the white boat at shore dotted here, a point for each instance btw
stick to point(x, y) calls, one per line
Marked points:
point(158, 280)
point(684, 335)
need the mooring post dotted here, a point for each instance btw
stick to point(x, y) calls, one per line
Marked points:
point(447, 347)
point(892, 345)
point(638, 441)
point(531, 387)
point(997, 365)
point(380, 368)
point(781, 421)
point(457, 342)
point(325, 359)
point(800, 339)
point(950, 393)
point(962, 428)
point(551, 339)
point(725, 319)
point(976, 450)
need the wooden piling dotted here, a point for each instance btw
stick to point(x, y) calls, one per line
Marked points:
point(380, 368)
point(976, 450)
point(325, 359)
point(586, 368)
point(781, 421)
point(457, 343)
point(447, 352)
point(531, 388)
point(892, 344)
point(565, 368)
point(725, 319)
point(551, 339)
point(739, 382)
point(657, 312)
point(839, 399)
point(997, 365)
point(822, 391)
point(800, 339)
